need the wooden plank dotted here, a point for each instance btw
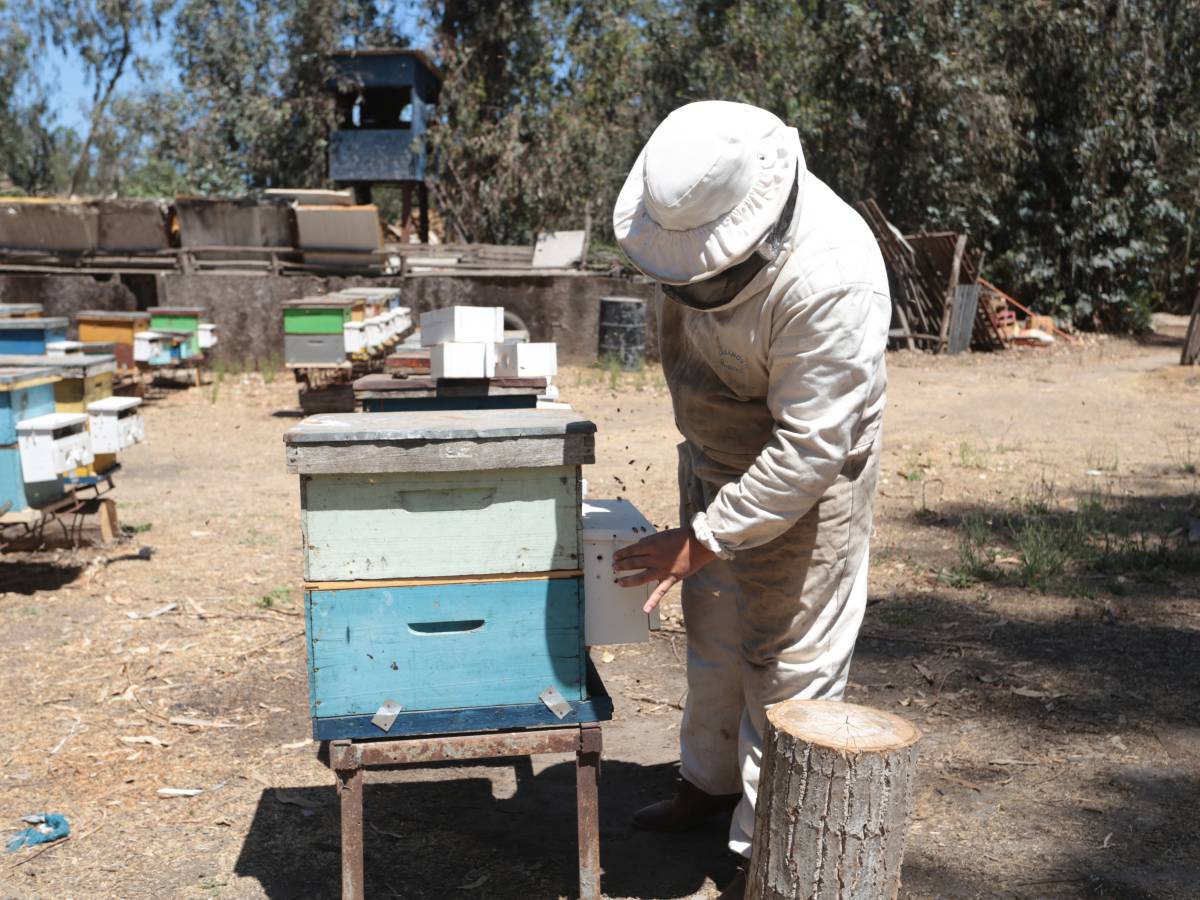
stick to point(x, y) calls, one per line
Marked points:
point(443, 426)
point(438, 647)
point(1190, 356)
point(456, 721)
point(411, 525)
point(408, 751)
point(445, 579)
point(962, 318)
point(442, 456)
point(397, 403)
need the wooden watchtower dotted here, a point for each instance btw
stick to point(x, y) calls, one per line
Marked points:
point(385, 101)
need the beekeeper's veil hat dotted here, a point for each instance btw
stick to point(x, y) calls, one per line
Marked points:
point(707, 188)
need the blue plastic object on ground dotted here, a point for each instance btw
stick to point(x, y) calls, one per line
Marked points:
point(46, 827)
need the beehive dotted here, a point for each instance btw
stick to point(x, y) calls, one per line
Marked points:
point(314, 329)
point(83, 378)
point(442, 558)
point(184, 320)
point(26, 391)
point(115, 326)
point(53, 445)
point(30, 335)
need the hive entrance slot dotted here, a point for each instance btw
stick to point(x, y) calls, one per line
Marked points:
point(461, 626)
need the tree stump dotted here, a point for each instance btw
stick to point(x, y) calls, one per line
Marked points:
point(833, 803)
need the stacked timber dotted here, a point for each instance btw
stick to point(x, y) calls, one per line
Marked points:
point(935, 290)
point(442, 565)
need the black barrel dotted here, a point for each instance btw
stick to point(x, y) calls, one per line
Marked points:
point(623, 331)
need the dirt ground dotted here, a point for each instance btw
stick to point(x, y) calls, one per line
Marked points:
point(1035, 610)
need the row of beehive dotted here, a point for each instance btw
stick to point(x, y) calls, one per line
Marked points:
point(60, 424)
point(333, 330)
point(43, 448)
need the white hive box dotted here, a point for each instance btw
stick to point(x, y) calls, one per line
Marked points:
point(462, 360)
point(207, 335)
point(53, 445)
point(518, 359)
point(462, 324)
point(149, 344)
point(64, 348)
point(612, 614)
point(376, 335)
point(355, 337)
point(115, 423)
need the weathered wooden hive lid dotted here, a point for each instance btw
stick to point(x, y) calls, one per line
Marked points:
point(8, 309)
point(176, 310)
point(74, 365)
point(33, 324)
point(120, 315)
point(51, 422)
point(439, 441)
point(325, 301)
point(13, 377)
point(113, 405)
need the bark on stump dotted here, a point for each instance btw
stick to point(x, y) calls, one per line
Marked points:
point(833, 803)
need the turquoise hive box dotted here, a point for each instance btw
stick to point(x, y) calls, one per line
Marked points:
point(31, 335)
point(26, 392)
point(442, 561)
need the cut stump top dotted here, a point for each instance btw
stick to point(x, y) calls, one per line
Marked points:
point(846, 727)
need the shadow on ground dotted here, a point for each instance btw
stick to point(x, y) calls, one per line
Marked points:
point(433, 836)
point(28, 577)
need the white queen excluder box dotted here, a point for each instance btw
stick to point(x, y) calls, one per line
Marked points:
point(521, 359)
point(462, 324)
point(463, 360)
point(115, 423)
point(612, 614)
point(53, 444)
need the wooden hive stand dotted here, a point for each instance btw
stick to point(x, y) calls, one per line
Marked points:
point(349, 760)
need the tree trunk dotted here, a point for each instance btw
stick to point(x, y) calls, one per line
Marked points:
point(1191, 340)
point(833, 803)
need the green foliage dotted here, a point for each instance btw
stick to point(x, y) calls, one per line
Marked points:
point(1064, 138)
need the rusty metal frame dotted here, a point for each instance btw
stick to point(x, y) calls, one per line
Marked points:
point(348, 760)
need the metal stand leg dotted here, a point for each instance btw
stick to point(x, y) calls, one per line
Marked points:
point(587, 799)
point(350, 790)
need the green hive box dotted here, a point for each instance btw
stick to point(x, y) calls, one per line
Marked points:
point(316, 315)
point(179, 318)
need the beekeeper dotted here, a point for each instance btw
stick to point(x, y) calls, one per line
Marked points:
point(772, 335)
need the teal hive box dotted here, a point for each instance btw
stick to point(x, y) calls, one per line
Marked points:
point(442, 565)
point(26, 391)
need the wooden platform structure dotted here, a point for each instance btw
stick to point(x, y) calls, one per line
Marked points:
point(390, 393)
point(350, 759)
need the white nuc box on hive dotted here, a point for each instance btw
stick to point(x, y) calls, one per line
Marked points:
point(462, 324)
point(463, 360)
point(150, 344)
point(53, 444)
point(374, 332)
point(207, 335)
point(520, 359)
point(115, 423)
point(612, 614)
point(355, 337)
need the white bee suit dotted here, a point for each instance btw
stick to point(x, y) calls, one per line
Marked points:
point(779, 395)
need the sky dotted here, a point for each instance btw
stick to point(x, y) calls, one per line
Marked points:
point(63, 72)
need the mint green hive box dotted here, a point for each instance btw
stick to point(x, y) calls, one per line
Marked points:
point(184, 319)
point(442, 566)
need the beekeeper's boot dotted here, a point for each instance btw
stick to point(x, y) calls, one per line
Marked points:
point(689, 808)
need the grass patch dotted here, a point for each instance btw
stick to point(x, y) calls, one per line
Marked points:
point(972, 457)
point(1041, 543)
point(136, 527)
point(280, 596)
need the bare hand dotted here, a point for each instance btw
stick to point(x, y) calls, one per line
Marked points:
point(667, 557)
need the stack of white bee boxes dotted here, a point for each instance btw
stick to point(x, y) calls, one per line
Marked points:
point(468, 342)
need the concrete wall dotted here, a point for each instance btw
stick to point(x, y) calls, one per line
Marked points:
point(65, 295)
point(564, 308)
